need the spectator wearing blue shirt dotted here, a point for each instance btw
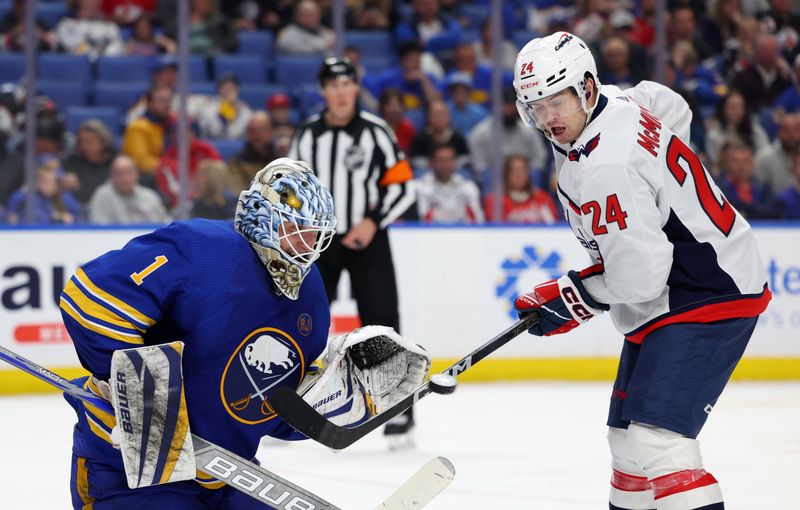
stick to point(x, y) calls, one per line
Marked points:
point(428, 25)
point(464, 113)
point(753, 199)
point(695, 78)
point(51, 204)
point(789, 100)
point(790, 197)
point(465, 60)
point(417, 87)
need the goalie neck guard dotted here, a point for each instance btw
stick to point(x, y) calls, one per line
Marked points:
point(287, 216)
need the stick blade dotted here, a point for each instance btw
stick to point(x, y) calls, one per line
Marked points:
point(422, 487)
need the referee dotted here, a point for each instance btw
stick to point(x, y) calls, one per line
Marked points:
point(355, 155)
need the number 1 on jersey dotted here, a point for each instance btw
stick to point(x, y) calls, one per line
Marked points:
point(139, 277)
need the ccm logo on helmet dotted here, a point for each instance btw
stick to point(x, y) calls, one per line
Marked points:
point(574, 302)
point(565, 38)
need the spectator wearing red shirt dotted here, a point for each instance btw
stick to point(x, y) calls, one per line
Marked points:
point(392, 111)
point(167, 177)
point(522, 201)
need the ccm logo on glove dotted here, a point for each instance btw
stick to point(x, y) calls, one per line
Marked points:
point(560, 304)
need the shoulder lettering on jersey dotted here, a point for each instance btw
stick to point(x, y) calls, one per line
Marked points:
point(585, 149)
point(650, 136)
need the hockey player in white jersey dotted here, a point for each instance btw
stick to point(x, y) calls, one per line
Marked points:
point(674, 264)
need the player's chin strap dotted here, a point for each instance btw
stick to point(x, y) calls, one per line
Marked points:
point(366, 372)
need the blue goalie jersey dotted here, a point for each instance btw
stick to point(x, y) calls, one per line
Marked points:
point(200, 282)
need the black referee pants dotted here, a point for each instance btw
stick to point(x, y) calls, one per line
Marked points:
point(371, 275)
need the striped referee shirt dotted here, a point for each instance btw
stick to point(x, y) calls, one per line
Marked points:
point(361, 165)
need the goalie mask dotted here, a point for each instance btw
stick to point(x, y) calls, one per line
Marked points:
point(546, 66)
point(287, 216)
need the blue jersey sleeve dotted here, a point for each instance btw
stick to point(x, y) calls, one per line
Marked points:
point(112, 301)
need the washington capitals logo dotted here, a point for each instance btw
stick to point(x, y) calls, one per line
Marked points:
point(563, 40)
point(266, 359)
point(585, 149)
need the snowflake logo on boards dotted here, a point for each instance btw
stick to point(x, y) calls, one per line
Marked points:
point(519, 269)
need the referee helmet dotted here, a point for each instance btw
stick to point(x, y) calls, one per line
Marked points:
point(338, 68)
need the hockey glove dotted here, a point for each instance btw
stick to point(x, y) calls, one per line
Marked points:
point(562, 304)
point(366, 372)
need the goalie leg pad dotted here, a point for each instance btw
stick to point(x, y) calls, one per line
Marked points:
point(150, 407)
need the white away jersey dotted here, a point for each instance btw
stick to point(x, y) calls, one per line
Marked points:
point(457, 201)
point(640, 202)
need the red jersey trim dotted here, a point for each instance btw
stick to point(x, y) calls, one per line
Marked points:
point(746, 305)
point(682, 481)
point(629, 483)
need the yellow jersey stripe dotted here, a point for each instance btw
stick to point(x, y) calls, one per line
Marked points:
point(208, 481)
point(120, 305)
point(93, 309)
point(82, 481)
point(97, 429)
point(107, 419)
point(178, 440)
point(99, 328)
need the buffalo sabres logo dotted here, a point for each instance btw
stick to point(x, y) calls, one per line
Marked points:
point(266, 359)
point(585, 149)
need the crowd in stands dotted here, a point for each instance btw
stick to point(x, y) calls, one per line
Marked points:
point(107, 98)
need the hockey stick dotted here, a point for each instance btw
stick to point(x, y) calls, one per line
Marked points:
point(299, 414)
point(249, 478)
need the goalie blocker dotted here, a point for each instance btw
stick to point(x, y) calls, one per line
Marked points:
point(152, 432)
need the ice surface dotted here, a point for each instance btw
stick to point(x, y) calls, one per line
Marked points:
point(539, 446)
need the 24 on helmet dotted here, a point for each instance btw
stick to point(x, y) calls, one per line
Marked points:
point(287, 216)
point(548, 65)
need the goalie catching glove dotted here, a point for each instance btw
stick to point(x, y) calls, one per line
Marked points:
point(366, 372)
point(562, 304)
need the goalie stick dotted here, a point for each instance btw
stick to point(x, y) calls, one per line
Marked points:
point(253, 480)
point(299, 414)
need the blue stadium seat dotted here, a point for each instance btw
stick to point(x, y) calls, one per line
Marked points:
point(256, 95)
point(475, 14)
point(260, 43)
point(207, 88)
point(5, 6)
point(121, 95)
point(128, 68)
point(50, 13)
point(308, 99)
point(198, 68)
point(248, 68)
point(294, 70)
point(227, 148)
point(522, 37)
point(60, 66)
point(63, 93)
point(370, 43)
point(109, 116)
point(377, 64)
point(12, 67)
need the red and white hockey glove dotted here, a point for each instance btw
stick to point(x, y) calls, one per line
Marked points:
point(562, 304)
